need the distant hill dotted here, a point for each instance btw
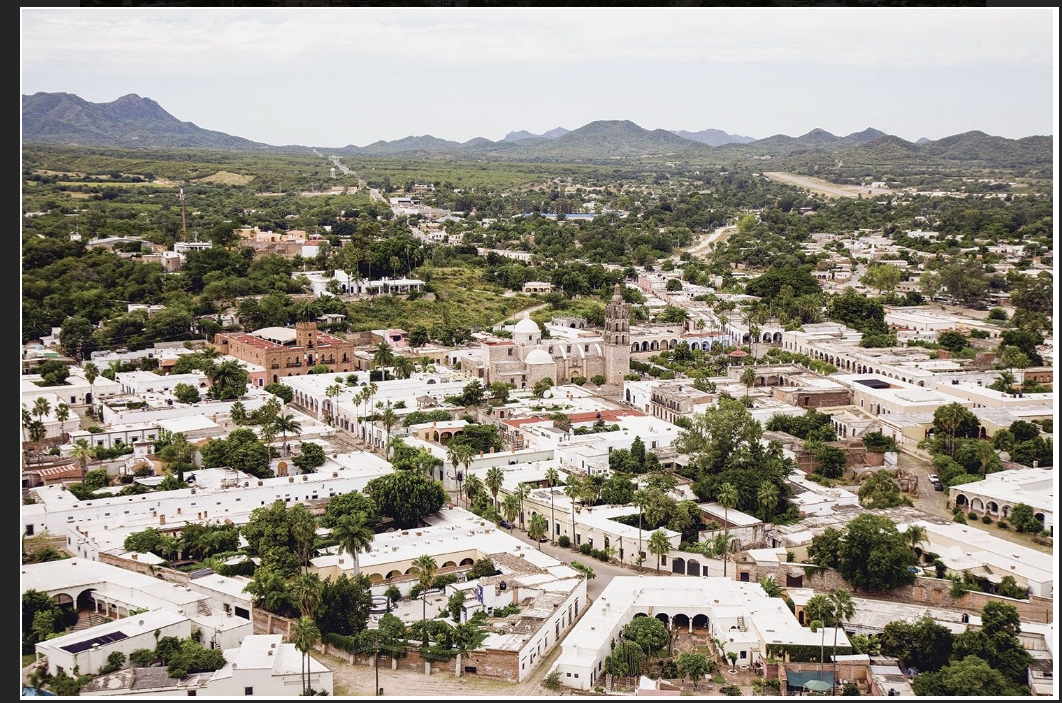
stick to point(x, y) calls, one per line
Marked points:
point(610, 139)
point(129, 121)
point(713, 137)
point(524, 134)
point(135, 122)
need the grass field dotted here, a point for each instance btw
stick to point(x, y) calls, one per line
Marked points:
point(463, 299)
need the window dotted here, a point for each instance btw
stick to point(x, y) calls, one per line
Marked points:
point(510, 351)
point(568, 675)
point(743, 654)
point(248, 690)
point(191, 693)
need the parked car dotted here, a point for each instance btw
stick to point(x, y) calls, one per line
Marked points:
point(938, 486)
point(505, 524)
point(933, 478)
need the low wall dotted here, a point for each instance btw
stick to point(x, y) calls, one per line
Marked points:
point(924, 591)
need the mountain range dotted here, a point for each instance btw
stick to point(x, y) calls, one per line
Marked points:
point(136, 122)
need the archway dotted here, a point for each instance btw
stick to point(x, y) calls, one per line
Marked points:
point(700, 621)
point(393, 574)
point(664, 618)
point(450, 565)
point(977, 504)
point(375, 578)
point(678, 565)
point(467, 561)
point(961, 500)
point(693, 568)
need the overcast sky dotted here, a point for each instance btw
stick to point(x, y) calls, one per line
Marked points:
point(338, 76)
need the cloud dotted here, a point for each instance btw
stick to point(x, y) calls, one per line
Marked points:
point(216, 38)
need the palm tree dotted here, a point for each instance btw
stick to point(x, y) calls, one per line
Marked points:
point(522, 492)
point(403, 366)
point(641, 499)
point(659, 545)
point(537, 529)
point(303, 528)
point(332, 392)
point(950, 418)
point(388, 419)
point(383, 356)
point(552, 479)
point(424, 568)
point(728, 498)
point(82, 452)
point(819, 609)
point(306, 590)
point(353, 534)
point(915, 535)
point(748, 379)
point(493, 481)
point(843, 609)
point(510, 509)
point(572, 488)
point(285, 424)
point(41, 408)
point(92, 372)
point(457, 453)
point(767, 497)
point(304, 635)
point(62, 414)
point(473, 487)
point(27, 418)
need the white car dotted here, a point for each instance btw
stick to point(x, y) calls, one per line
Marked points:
point(933, 478)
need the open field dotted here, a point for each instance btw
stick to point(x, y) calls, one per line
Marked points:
point(817, 185)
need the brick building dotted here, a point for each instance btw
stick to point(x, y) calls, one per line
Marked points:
point(283, 351)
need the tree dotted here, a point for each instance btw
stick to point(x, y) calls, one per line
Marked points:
point(537, 529)
point(353, 534)
point(748, 379)
point(659, 545)
point(971, 676)
point(383, 356)
point(728, 498)
point(641, 500)
point(499, 390)
point(924, 644)
point(522, 492)
point(883, 277)
point(473, 487)
point(881, 491)
point(228, 380)
point(819, 609)
point(424, 568)
point(493, 480)
point(874, 555)
point(693, 666)
point(186, 393)
point(843, 609)
point(1024, 519)
point(286, 424)
point(388, 419)
point(406, 496)
point(572, 488)
point(303, 530)
point(955, 421)
point(459, 453)
point(403, 366)
point(552, 479)
point(82, 453)
point(510, 509)
point(304, 635)
point(648, 633)
point(311, 457)
point(467, 636)
point(626, 660)
point(92, 372)
point(307, 589)
point(767, 498)
point(541, 387)
point(62, 414)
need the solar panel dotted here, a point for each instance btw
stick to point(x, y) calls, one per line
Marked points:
point(116, 636)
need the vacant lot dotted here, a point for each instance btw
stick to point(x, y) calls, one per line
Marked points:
point(817, 185)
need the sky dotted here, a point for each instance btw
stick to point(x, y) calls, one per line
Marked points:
point(338, 76)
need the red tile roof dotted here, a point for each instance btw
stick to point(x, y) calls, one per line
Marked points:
point(576, 418)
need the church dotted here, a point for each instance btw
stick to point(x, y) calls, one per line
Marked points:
point(527, 358)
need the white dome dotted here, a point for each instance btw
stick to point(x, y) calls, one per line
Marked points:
point(527, 326)
point(538, 356)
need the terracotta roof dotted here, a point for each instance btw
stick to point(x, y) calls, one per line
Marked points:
point(60, 472)
point(576, 418)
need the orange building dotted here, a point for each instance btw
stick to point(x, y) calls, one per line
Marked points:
point(282, 351)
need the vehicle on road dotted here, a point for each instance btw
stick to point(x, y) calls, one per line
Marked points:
point(938, 486)
point(933, 478)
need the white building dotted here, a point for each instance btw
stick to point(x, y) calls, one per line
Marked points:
point(998, 493)
point(741, 615)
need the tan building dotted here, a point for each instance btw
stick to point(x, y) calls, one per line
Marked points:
point(283, 351)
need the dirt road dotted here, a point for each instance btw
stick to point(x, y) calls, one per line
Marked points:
point(817, 185)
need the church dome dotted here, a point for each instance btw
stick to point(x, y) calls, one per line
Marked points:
point(538, 356)
point(526, 326)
